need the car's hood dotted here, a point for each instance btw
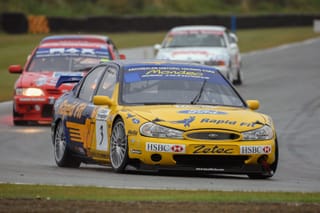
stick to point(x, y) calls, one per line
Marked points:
point(193, 53)
point(187, 117)
point(43, 79)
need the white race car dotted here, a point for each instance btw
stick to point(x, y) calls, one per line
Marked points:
point(211, 45)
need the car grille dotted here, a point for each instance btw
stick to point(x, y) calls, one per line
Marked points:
point(54, 92)
point(47, 110)
point(211, 135)
point(218, 161)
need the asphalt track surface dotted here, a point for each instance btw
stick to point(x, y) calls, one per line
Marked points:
point(286, 80)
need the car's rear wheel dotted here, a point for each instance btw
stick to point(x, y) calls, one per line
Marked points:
point(62, 155)
point(273, 167)
point(118, 147)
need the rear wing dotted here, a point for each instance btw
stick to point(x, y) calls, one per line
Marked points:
point(63, 79)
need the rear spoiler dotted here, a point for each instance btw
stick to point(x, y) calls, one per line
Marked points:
point(63, 79)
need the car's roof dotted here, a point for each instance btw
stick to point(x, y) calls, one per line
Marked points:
point(198, 27)
point(75, 37)
point(73, 44)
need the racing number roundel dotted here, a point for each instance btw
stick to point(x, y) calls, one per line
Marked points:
point(101, 129)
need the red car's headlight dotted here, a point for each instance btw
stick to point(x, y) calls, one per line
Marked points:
point(29, 92)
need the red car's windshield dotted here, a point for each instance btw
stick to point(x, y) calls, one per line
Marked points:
point(66, 59)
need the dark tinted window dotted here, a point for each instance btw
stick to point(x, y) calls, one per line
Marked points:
point(90, 83)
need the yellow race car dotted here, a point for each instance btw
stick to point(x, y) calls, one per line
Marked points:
point(162, 115)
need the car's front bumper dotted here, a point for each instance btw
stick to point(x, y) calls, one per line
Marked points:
point(241, 157)
point(37, 109)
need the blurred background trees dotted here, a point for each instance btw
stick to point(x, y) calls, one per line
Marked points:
point(78, 8)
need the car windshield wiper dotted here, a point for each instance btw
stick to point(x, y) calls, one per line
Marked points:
point(198, 96)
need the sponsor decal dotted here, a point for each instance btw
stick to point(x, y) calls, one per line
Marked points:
point(132, 132)
point(135, 121)
point(192, 52)
point(41, 81)
point(203, 149)
point(137, 73)
point(91, 52)
point(160, 147)
point(202, 112)
point(218, 121)
point(71, 109)
point(32, 99)
point(255, 149)
point(186, 122)
point(102, 114)
point(129, 115)
point(136, 151)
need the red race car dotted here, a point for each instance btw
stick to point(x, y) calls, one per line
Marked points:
point(35, 91)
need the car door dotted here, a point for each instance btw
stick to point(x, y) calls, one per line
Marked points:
point(79, 120)
point(101, 119)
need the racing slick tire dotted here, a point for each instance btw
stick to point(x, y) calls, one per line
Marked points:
point(238, 80)
point(273, 167)
point(62, 154)
point(119, 147)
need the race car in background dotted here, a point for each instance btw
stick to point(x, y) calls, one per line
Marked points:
point(210, 45)
point(34, 90)
point(85, 39)
point(162, 115)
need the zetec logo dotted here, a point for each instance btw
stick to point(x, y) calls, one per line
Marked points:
point(157, 147)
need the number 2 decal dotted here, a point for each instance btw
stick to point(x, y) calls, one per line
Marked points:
point(102, 142)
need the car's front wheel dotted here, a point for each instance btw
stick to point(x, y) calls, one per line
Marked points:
point(272, 168)
point(118, 147)
point(62, 155)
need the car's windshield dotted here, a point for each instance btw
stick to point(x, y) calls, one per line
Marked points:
point(177, 85)
point(66, 59)
point(194, 39)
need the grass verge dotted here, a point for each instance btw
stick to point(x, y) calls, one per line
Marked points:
point(46, 192)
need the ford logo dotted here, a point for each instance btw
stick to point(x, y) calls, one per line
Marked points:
point(212, 135)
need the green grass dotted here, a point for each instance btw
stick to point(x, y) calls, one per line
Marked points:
point(14, 49)
point(20, 191)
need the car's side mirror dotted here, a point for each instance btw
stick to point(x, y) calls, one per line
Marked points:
point(157, 47)
point(15, 69)
point(234, 38)
point(102, 100)
point(253, 104)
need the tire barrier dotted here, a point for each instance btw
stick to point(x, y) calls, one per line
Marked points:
point(14, 23)
point(18, 23)
point(38, 24)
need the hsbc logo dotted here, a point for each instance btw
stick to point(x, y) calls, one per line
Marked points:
point(159, 147)
point(255, 149)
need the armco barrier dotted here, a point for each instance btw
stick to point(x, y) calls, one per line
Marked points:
point(18, 23)
point(14, 23)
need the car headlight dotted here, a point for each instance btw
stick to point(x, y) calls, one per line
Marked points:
point(154, 130)
point(29, 91)
point(263, 133)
